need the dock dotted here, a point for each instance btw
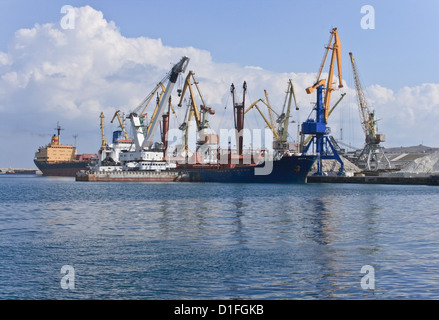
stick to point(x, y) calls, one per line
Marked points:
point(421, 180)
point(19, 171)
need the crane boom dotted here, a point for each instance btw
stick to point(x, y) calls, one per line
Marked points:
point(335, 57)
point(194, 107)
point(372, 151)
point(366, 123)
point(124, 132)
point(104, 141)
point(284, 126)
point(200, 114)
point(255, 105)
point(173, 75)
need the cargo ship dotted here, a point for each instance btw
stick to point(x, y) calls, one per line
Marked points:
point(140, 159)
point(288, 169)
point(56, 159)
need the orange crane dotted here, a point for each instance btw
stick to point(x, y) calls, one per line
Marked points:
point(336, 55)
point(318, 127)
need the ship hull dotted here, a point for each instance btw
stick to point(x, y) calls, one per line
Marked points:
point(62, 169)
point(289, 169)
point(129, 176)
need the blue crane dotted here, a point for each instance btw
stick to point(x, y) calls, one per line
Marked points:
point(317, 127)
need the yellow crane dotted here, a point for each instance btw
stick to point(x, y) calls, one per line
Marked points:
point(199, 113)
point(104, 141)
point(122, 127)
point(372, 151)
point(280, 131)
point(284, 119)
point(269, 123)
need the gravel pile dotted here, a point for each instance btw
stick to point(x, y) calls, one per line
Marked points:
point(427, 164)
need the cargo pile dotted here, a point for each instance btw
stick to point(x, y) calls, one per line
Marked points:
point(425, 165)
point(333, 167)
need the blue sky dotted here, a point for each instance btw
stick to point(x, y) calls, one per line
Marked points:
point(397, 59)
point(276, 35)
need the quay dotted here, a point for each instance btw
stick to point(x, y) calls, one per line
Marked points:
point(411, 180)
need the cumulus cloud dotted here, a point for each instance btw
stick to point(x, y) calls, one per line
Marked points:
point(49, 74)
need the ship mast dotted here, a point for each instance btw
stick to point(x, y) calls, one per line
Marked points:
point(58, 129)
point(238, 112)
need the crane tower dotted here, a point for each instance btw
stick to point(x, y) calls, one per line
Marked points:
point(372, 155)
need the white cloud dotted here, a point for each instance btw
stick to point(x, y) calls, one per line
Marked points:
point(50, 74)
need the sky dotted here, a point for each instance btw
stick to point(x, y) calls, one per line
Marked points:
point(117, 51)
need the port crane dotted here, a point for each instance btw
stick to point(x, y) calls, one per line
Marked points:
point(280, 131)
point(317, 127)
point(200, 113)
point(306, 140)
point(372, 151)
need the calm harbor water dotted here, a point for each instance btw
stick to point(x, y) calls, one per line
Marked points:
point(217, 241)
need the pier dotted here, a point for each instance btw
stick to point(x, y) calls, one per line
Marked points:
point(420, 180)
point(19, 171)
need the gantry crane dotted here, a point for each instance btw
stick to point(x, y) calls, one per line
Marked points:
point(372, 151)
point(318, 127)
point(306, 140)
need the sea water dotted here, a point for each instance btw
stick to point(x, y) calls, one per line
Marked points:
point(62, 239)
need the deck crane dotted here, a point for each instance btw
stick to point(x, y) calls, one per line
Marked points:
point(104, 141)
point(270, 110)
point(284, 118)
point(318, 127)
point(122, 127)
point(178, 68)
point(269, 123)
point(280, 132)
point(143, 140)
point(199, 113)
point(372, 148)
